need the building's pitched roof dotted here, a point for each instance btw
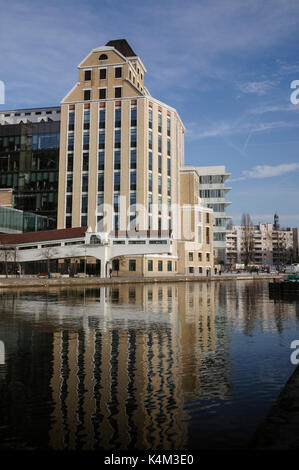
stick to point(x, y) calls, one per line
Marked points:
point(122, 46)
point(46, 235)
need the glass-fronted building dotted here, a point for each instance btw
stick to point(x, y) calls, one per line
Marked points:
point(29, 156)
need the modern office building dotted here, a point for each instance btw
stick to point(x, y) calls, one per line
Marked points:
point(213, 193)
point(29, 156)
point(121, 152)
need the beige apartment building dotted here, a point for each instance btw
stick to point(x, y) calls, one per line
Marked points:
point(267, 245)
point(121, 169)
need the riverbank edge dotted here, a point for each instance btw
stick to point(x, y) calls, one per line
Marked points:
point(279, 429)
point(83, 282)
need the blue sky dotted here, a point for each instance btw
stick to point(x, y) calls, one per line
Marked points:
point(225, 65)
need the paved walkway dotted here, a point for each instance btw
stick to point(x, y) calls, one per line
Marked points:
point(25, 281)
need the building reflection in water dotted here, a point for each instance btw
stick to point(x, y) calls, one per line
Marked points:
point(123, 367)
point(121, 382)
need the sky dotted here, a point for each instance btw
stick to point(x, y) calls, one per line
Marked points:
point(226, 66)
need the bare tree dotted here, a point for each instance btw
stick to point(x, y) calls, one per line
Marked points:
point(8, 254)
point(49, 253)
point(247, 238)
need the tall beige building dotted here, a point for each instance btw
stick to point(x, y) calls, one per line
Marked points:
point(121, 152)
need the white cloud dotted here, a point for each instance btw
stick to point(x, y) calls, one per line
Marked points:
point(223, 129)
point(267, 171)
point(257, 88)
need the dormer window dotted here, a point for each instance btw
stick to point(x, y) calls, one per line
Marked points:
point(103, 57)
point(87, 75)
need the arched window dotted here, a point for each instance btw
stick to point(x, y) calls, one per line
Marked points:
point(103, 57)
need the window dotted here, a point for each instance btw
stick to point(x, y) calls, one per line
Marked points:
point(159, 122)
point(70, 144)
point(68, 221)
point(103, 74)
point(117, 92)
point(150, 265)
point(150, 182)
point(160, 265)
point(102, 118)
point(101, 164)
point(150, 161)
point(132, 201)
point(133, 180)
point(168, 146)
point(133, 116)
point(116, 181)
point(159, 164)
point(102, 93)
point(69, 199)
point(150, 118)
point(207, 236)
point(117, 160)
point(100, 202)
point(116, 222)
point(86, 141)
point(101, 139)
point(70, 159)
point(86, 119)
point(159, 144)
point(199, 256)
point(86, 95)
point(101, 182)
point(69, 183)
point(190, 256)
point(191, 270)
point(160, 184)
point(84, 204)
point(103, 57)
point(150, 139)
point(133, 159)
point(117, 72)
point(85, 160)
point(132, 265)
point(133, 138)
point(117, 138)
point(169, 265)
point(83, 220)
point(208, 256)
point(87, 75)
point(168, 167)
point(168, 127)
point(71, 120)
point(100, 223)
point(208, 217)
point(117, 117)
point(85, 183)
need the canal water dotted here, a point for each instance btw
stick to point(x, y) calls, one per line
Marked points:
point(169, 366)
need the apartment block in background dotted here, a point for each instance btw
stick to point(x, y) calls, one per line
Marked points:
point(212, 191)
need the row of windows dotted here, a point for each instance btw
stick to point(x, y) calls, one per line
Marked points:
point(150, 122)
point(102, 93)
point(103, 73)
point(208, 193)
point(191, 256)
point(160, 265)
point(29, 113)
